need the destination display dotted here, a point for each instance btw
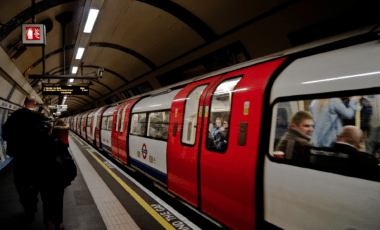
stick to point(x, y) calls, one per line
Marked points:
point(65, 90)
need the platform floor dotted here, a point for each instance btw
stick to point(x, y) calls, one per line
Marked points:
point(101, 197)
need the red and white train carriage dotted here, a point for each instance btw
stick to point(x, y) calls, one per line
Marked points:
point(239, 181)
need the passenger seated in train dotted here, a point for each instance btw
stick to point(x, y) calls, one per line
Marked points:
point(217, 138)
point(350, 141)
point(294, 141)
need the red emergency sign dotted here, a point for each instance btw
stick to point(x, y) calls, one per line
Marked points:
point(32, 33)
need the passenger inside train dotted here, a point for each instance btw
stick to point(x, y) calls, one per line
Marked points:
point(337, 133)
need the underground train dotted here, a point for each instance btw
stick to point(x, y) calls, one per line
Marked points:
point(211, 141)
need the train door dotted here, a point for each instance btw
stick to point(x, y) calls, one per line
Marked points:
point(123, 130)
point(98, 127)
point(229, 146)
point(115, 129)
point(94, 126)
point(89, 125)
point(183, 142)
point(84, 125)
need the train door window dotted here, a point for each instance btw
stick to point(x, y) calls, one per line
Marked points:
point(339, 134)
point(138, 124)
point(190, 117)
point(158, 125)
point(104, 123)
point(89, 121)
point(110, 120)
point(219, 119)
point(123, 117)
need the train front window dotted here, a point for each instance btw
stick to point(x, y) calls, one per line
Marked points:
point(219, 119)
point(338, 133)
point(190, 118)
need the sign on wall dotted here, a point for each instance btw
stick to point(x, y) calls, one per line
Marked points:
point(33, 34)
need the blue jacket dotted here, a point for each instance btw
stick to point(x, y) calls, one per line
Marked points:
point(327, 122)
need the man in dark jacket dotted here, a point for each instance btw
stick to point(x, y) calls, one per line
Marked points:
point(28, 142)
point(295, 140)
point(349, 141)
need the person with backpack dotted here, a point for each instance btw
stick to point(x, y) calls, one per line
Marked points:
point(28, 141)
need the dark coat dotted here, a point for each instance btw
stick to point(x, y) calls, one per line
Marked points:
point(293, 145)
point(28, 141)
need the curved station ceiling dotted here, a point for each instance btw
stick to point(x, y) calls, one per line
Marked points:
point(143, 45)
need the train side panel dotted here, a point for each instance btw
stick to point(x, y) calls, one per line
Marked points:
point(326, 190)
point(106, 127)
point(148, 135)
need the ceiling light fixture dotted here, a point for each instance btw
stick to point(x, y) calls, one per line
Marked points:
point(79, 53)
point(91, 20)
point(71, 80)
point(74, 70)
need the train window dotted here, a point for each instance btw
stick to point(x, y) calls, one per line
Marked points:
point(190, 118)
point(118, 121)
point(334, 133)
point(158, 125)
point(104, 123)
point(110, 120)
point(138, 124)
point(219, 119)
point(123, 118)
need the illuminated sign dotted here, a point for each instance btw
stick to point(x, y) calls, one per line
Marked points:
point(64, 90)
point(33, 34)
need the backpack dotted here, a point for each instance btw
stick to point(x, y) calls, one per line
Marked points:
point(66, 169)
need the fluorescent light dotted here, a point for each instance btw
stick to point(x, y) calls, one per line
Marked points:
point(79, 53)
point(74, 70)
point(91, 20)
point(340, 78)
point(71, 80)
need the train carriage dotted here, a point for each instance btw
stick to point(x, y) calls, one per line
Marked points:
point(213, 142)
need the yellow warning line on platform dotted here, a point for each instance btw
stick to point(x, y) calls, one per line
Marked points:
point(80, 142)
point(142, 202)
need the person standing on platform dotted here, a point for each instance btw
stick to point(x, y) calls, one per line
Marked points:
point(60, 132)
point(28, 141)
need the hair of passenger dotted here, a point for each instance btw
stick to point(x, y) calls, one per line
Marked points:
point(219, 118)
point(30, 101)
point(299, 116)
point(60, 122)
point(350, 134)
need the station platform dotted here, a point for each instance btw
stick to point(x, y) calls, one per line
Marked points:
point(102, 196)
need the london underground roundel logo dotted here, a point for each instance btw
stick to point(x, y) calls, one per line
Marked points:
point(144, 151)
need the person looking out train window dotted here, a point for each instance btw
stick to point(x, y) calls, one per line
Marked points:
point(298, 136)
point(328, 124)
point(218, 124)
